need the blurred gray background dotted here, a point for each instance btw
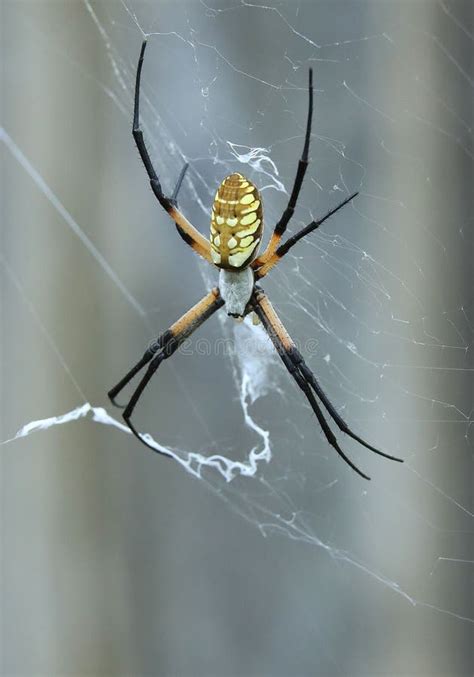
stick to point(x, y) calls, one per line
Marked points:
point(115, 561)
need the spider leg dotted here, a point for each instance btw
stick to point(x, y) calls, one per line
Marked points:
point(298, 361)
point(174, 196)
point(153, 366)
point(331, 438)
point(188, 232)
point(178, 331)
point(304, 377)
point(286, 246)
point(300, 173)
point(175, 335)
point(147, 356)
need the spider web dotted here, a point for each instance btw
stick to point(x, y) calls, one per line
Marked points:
point(379, 301)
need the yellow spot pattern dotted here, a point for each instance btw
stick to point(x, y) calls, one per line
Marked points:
point(249, 231)
point(247, 219)
point(236, 223)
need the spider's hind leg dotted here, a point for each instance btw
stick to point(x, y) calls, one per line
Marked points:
point(174, 195)
point(188, 232)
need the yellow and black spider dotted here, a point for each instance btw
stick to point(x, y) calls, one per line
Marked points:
point(236, 233)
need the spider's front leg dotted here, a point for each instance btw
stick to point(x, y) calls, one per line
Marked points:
point(165, 346)
point(305, 379)
point(147, 357)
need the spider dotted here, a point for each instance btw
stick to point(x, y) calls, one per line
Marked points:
point(236, 233)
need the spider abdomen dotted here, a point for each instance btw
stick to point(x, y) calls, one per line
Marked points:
point(236, 223)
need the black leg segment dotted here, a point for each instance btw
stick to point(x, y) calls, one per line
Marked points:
point(306, 380)
point(163, 348)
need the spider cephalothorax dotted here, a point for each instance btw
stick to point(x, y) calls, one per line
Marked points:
point(236, 233)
